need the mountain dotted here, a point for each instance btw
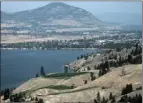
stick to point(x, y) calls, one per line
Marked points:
point(55, 16)
point(4, 16)
point(55, 10)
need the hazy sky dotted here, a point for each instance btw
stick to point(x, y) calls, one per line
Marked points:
point(93, 7)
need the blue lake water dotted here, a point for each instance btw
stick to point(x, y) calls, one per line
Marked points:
point(18, 66)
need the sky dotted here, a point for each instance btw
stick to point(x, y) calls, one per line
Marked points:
point(110, 11)
point(91, 6)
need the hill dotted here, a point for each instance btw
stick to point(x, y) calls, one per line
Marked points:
point(53, 90)
point(56, 10)
point(54, 17)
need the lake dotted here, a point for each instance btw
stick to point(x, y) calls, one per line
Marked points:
point(18, 66)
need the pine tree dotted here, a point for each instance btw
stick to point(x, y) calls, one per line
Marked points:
point(36, 99)
point(120, 61)
point(88, 68)
point(98, 97)
point(113, 100)
point(136, 45)
point(40, 101)
point(85, 81)
point(127, 89)
point(85, 57)
point(37, 75)
point(77, 58)
point(6, 93)
point(42, 72)
point(140, 50)
point(81, 56)
point(133, 99)
point(107, 65)
point(103, 100)
point(66, 69)
point(100, 73)
point(136, 51)
point(132, 52)
point(91, 74)
point(93, 78)
point(95, 101)
point(110, 96)
point(130, 88)
point(130, 58)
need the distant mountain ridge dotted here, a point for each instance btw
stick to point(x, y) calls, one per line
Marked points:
point(54, 10)
point(53, 17)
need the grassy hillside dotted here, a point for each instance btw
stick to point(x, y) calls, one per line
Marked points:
point(53, 90)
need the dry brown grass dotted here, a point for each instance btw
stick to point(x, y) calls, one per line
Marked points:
point(112, 82)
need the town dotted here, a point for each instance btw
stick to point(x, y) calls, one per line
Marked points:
point(106, 40)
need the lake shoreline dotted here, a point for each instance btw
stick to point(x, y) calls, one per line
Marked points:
point(57, 49)
point(31, 61)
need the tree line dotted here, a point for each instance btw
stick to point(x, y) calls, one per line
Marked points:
point(134, 57)
point(6, 92)
point(128, 89)
point(59, 44)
